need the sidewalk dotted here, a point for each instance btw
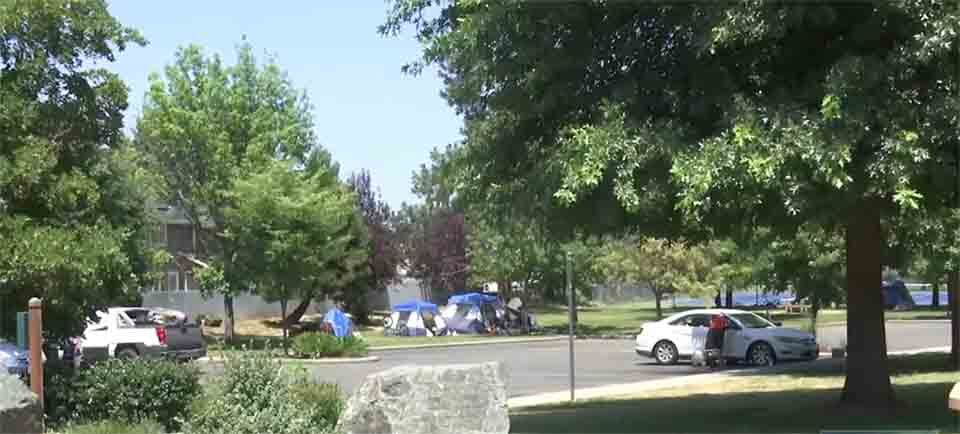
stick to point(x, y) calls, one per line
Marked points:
point(626, 389)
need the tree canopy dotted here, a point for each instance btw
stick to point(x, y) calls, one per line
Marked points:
point(71, 191)
point(676, 117)
point(206, 124)
point(290, 229)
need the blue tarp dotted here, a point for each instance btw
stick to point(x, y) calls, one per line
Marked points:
point(896, 294)
point(341, 324)
point(415, 306)
point(474, 298)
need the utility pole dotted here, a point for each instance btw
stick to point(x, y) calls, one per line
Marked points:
point(573, 319)
point(953, 281)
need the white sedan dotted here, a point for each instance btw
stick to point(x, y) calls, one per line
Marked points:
point(750, 337)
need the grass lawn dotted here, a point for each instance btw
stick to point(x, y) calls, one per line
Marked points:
point(629, 318)
point(620, 319)
point(608, 319)
point(789, 403)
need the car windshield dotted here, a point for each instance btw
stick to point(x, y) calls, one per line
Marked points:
point(751, 321)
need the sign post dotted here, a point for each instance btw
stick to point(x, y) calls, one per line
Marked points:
point(36, 348)
point(573, 327)
point(22, 326)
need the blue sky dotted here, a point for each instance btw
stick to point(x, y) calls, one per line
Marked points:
point(368, 114)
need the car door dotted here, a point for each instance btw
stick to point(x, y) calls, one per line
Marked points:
point(684, 330)
point(735, 340)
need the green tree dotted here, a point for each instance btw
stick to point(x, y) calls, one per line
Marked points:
point(661, 265)
point(632, 105)
point(205, 125)
point(384, 257)
point(72, 213)
point(288, 227)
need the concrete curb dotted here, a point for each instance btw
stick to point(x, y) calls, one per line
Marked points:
point(479, 341)
point(327, 361)
point(625, 389)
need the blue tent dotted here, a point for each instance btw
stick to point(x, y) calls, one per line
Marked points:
point(895, 294)
point(414, 318)
point(474, 298)
point(341, 324)
point(467, 313)
point(415, 306)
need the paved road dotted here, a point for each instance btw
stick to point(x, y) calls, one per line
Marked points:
point(901, 336)
point(543, 366)
point(532, 367)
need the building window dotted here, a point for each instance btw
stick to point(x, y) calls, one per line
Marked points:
point(180, 238)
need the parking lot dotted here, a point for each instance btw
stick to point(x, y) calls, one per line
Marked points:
point(543, 366)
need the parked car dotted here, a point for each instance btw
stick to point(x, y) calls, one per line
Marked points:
point(750, 338)
point(134, 332)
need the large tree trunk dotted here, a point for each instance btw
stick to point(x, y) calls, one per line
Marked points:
point(228, 317)
point(935, 301)
point(867, 379)
point(728, 303)
point(953, 285)
point(298, 313)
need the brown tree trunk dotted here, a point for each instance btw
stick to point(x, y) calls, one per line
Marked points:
point(505, 290)
point(283, 324)
point(298, 313)
point(656, 296)
point(953, 285)
point(728, 303)
point(228, 317)
point(867, 378)
point(935, 301)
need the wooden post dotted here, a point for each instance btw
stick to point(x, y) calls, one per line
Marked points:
point(36, 348)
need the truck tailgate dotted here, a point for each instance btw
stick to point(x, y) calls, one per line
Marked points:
point(185, 341)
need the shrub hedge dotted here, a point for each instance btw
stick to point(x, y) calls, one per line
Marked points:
point(131, 391)
point(318, 345)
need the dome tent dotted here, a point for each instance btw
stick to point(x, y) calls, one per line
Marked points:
point(470, 312)
point(338, 322)
point(414, 318)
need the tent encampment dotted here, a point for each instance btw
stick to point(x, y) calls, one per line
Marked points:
point(471, 312)
point(414, 318)
point(338, 322)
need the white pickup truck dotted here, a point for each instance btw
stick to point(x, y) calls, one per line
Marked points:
point(135, 332)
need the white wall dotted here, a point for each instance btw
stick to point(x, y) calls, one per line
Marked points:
point(244, 306)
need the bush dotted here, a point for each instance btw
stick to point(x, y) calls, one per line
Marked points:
point(256, 395)
point(317, 345)
point(123, 390)
point(113, 427)
point(325, 401)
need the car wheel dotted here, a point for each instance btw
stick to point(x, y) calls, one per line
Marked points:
point(665, 353)
point(761, 354)
point(127, 353)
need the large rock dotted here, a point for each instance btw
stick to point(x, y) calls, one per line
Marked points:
point(444, 399)
point(20, 411)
